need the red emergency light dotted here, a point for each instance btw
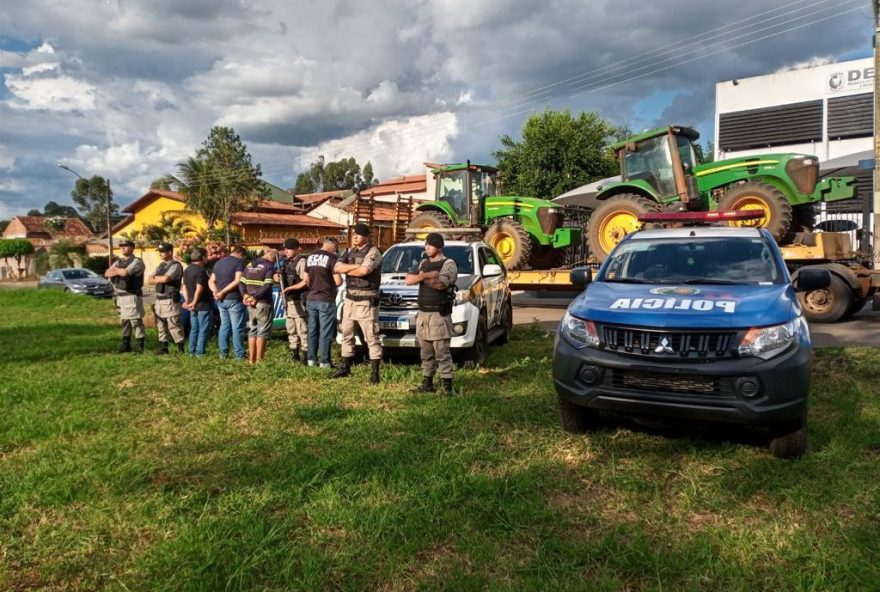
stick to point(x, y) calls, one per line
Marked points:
point(716, 216)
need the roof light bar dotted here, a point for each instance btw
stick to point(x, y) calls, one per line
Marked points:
point(717, 216)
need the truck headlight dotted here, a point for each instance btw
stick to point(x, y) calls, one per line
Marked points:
point(767, 342)
point(580, 331)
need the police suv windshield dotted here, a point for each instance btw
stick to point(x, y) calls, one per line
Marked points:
point(708, 260)
point(402, 259)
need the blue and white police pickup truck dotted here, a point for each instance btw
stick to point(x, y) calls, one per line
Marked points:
point(695, 324)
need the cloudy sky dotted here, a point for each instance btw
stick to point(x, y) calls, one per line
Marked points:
point(128, 88)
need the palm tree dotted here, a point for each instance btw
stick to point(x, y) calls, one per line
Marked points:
point(195, 180)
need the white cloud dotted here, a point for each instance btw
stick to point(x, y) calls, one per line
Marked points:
point(11, 185)
point(38, 68)
point(7, 160)
point(52, 94)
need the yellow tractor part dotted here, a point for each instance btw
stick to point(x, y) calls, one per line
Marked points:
point(615, 226)
point(505, 245)
point(752, 202)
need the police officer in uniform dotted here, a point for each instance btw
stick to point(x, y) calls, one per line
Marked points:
point(362, 266)
point(296, 282)
point(435, 277)
point(167, 279)
point(127, 276)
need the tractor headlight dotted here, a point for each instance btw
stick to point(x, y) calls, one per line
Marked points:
point(580, 331)
point(767, 342)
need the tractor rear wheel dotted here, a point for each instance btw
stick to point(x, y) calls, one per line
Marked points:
point(511, 241)
point(429, 220)
point(613, 220)
point(760, 196)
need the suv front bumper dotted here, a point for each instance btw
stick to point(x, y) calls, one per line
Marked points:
point(703, 391)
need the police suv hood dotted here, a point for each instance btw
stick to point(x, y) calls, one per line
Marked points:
point(394, 282)
point(671, 306)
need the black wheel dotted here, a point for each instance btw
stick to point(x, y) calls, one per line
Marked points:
point(613, 220)
point(576, 419)
point(827, 305)
point(760, 196)
point(428, 220)
point(789, 440)
point(506, 322)
point(803, 218)
point(511, 241)
point(546, 257)
point(857, 304)
point(476, 355)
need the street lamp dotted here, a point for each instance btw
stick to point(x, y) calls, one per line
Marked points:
point(109, 218)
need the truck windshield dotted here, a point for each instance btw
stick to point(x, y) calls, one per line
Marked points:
point(402, 259)
point(710, 260)
point(451, 189)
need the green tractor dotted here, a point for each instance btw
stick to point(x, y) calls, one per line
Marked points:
point(525, 231)
point(659, 172)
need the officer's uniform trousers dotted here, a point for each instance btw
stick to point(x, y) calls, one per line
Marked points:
point(434, 333)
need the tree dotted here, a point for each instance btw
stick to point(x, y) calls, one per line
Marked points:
point(338, 175)
point(312, 180)
point(557, 153)
point(221, 179)
point(52, 209)
point(65, 253)
point(705, 155)
point(91, 197)
point(164, 182)
point(4, 224)
point(169, 229)
point(18, 249)
point(369, 179)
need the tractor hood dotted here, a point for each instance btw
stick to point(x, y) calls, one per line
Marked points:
point(686, 307)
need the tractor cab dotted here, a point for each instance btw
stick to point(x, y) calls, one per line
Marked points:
point(663, 160)
point(465, 187)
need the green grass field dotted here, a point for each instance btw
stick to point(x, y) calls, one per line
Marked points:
point(148, 473)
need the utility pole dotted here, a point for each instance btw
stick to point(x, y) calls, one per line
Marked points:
point(109, 217)
point(876, 187)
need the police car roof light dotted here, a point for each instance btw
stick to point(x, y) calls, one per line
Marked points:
point(702, 217)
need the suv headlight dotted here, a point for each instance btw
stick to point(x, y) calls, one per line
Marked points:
point(767, 342)
point(580, 331)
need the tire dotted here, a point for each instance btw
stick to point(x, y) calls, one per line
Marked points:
point(857, 304)
point(827, 305)
point(476, 354)
point(427, 220)
point(789, 440)
point(511, 241)
point(546, 257)
point(506, 323)
point(803, 218)
point(760, 196)
point(613, 220)
point(574, 418)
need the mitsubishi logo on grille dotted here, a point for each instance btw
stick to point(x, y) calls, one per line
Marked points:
point(665, 347)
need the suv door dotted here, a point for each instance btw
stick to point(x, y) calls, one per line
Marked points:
point(493, 286)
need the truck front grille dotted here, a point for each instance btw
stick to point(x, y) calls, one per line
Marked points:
point(697, 345)
point(687, 384)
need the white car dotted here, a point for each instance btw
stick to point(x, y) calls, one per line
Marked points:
point(482, 313)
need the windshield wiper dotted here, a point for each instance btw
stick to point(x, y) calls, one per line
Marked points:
point(626, 281)
point(710, 281)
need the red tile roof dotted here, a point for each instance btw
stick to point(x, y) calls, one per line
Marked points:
point(36, 226)
point(267, 206)
point(403, 185)
point(258, 218)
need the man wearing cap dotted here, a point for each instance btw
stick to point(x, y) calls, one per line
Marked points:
point(435, 277)
point(362, 266)
point(256, 291)
point(166, 280)
point(127, 276)
point(321, 301)
point(296, 282)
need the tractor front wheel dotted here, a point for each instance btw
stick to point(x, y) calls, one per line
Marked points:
point(613, 220)
point(511, 241)
point(429, 220)
point(760, 196)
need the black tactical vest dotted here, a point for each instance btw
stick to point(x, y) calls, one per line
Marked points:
point(130, 284)
point(366, 287)
point(291, 278)
point(431, 300)
point(170, 289)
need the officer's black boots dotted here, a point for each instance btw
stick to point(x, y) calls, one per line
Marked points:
point(427, 385)
point(344, 368)
point(125, 346)
point(374, 371)
point(163, 348)
point(180, 347)
point(139, 346)
point(294, 355)
point(447, 387)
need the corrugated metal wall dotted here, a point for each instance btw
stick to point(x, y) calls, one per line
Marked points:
point(772, 126)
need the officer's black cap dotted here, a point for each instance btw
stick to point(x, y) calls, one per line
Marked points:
point(361, 229)
point(435, 239)
point(164, 247)
point(291, 243)
point(126, 243)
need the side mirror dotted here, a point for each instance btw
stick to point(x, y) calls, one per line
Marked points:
point(492, 270)
point(580, 277)
point(812, 279)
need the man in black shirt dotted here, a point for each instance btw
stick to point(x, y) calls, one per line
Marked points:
point(197, 300)
point(321, 301)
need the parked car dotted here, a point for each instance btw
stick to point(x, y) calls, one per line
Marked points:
point(482, 313)
point(690, 325)
point(77, 281)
